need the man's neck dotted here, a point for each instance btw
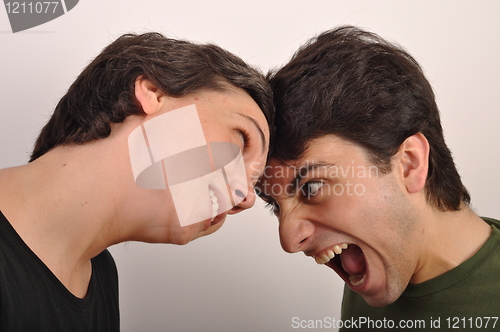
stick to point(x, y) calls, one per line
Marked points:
point(450, 239)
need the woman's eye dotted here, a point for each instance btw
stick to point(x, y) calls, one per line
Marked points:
point(243, 137)
point(311, 188)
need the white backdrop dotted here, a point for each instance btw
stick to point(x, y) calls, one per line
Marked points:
point(239, 279)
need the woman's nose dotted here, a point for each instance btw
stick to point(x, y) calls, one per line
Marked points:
point(245, 201)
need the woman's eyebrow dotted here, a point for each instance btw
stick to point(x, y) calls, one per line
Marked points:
point(259, 129)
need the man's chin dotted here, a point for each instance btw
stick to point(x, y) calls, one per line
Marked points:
point(380, 300)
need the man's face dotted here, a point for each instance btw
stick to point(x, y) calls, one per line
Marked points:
point(333, 202)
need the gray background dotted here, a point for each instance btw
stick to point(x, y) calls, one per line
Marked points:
point(239, 279)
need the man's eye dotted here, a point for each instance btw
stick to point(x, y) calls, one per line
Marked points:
point(311, 188)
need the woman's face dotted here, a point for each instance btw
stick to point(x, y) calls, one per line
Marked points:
point(221, 150)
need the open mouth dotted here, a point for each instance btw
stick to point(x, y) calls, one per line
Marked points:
point(216, 216)
point(215, 204)
point(348, 261)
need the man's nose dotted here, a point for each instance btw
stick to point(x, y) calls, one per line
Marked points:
point(295, 232)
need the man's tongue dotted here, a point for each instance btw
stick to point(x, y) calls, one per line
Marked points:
point(353, 260)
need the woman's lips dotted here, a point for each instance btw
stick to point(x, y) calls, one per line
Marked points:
point(215, 204)
point(217, 211)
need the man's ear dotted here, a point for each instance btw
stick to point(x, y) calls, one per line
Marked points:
point(148, 95)
point(415, 161)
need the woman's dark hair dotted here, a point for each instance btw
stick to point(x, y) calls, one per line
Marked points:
point(354, 84)
point(104, 92)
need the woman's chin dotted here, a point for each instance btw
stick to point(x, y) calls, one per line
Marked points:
point(183, 235)
point(211, 226)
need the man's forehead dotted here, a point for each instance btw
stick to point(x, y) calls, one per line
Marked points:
point(327, 149)
point(311, 156)
point(275, 165)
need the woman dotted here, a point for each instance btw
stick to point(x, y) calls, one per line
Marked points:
point(157, 140)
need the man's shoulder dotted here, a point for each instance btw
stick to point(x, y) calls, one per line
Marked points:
point(492, 221)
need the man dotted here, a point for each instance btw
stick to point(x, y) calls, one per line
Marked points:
point(362, 181)
point(157, 141)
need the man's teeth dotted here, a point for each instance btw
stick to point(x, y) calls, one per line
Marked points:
point(355, 281)
point(215, 204)
point(326, 257)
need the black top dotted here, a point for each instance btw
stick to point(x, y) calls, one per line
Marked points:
point(33, 299)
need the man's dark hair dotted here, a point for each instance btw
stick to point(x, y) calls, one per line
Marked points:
point(354, 84)
point(103, 93)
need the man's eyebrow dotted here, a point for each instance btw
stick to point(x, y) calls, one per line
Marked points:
point(302, 172)
point(265, 197)
point(259, 129)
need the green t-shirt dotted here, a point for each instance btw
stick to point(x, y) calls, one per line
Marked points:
point(466, 298)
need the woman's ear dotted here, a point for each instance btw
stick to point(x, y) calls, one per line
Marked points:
point(415, 161)
point(148, 95)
